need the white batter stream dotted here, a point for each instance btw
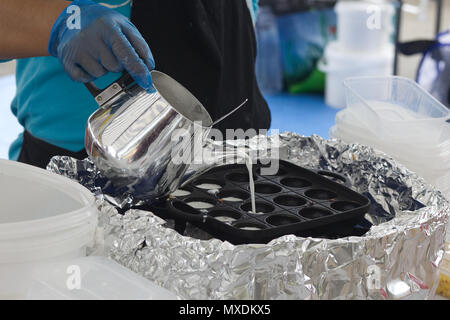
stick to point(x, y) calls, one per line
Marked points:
point(209, 186)
point(249, 164)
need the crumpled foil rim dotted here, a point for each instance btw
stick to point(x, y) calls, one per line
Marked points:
point(397, 259)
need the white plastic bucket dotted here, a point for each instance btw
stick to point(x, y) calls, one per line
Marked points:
point(340, 64)
point(99, 278)
point(364, 25)
point(43, 217)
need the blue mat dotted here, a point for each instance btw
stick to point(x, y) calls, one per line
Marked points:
point(305, 114)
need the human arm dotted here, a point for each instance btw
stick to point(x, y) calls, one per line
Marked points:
point(103, 41)
point(25, 26)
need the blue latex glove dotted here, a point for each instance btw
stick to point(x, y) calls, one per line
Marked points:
point(103, 41)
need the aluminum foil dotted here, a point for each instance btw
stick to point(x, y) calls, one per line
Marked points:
point(397, 259)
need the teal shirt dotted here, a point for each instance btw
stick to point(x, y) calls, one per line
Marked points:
point(51, 106)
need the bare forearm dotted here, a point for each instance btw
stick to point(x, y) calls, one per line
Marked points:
point(25, 26)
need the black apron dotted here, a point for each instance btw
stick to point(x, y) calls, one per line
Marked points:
point(38, 152)
point(209, 47)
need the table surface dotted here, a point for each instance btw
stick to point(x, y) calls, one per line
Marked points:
point(305, 114)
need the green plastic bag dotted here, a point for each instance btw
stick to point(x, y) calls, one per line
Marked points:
point(303, 36)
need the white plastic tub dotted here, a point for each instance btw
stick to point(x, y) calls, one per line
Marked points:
point(405, 144)
point(43, 217)
point(429, 157)
point(100, 278)
point(408, 124)
point(364, 25)
point(436, 173)
point(340, 64)
point(397, 106)
point(429, 166)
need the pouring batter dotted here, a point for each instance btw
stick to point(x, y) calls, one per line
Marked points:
point(208, 46)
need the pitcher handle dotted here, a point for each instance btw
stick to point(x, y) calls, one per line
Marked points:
point(103, 95)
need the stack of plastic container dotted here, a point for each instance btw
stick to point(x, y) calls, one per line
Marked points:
point(398, 117)
point(363, 46)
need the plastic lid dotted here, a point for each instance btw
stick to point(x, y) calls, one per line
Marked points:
point(338, 56)
point(42, 210)
point(360, 5)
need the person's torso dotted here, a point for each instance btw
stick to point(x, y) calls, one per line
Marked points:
point(210, 48)
point(55, 109)
point(49, 104)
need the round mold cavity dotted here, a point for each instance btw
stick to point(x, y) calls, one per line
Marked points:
point(250, 226)
point(320, 194)
point(200, 204)
point(314, 213)
point(233, 195)
point(295, 182)
point(344, 205)
point(239, 177)
point(225, 216)
point(181, 206)
point(289, 201)
point(279, 172)
point(261, 207)
point(332, 176)
point(180, 193)
point(208, 184)
point(267, 188)
point(281, 220)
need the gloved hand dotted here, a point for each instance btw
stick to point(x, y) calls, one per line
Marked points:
point(103, 41)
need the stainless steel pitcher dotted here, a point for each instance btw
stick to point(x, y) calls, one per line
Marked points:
point(133, 137)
